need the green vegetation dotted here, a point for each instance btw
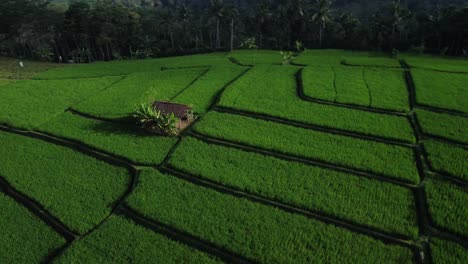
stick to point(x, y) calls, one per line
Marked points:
point(123, 140)
point(27, 104)
point(447, 158)
point(271, 90)
point(443, 251)
point(354, 58)
point(253, 57)
point(372, 61)
point(364, 201)
point(322, 57)
point(438, 63)
point(119, 101)
point(24, 238)
point(440, 89)
point(443, 125)
point(77, 189)
point(4, 82)
point(369, 87)
point(351, 87)
point(154, 121)
point(120, 240)
point(447, 206)
point(10, 68)
point(125, 67)
point(203, 92)
point(319, 82)
point(72, 103)
point(341, 150)
point(258, 232)
point(387, 89)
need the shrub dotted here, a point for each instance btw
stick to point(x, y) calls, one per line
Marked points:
point(287, 56)
point(156, 122)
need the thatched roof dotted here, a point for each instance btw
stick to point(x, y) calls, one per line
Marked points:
point(179, 110)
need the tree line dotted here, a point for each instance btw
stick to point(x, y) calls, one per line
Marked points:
point(86, 31)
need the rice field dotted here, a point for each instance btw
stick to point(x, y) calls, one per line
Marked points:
point(338, 157)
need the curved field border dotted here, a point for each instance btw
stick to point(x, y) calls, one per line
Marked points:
point(118, 161)
point(42, 213)
point(55, 223)
point(427, 228)
point(39, 211)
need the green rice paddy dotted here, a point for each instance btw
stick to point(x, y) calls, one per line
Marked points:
point(339, 157)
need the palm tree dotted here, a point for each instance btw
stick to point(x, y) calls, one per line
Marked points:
point(263, 17)
point(184, 17)
point(217, 10)
point(168, 22)
point(399, 14)
point(232, 12)
point(321, 16)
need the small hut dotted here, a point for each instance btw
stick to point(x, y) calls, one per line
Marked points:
point(183, 112)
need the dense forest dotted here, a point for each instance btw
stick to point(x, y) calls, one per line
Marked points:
point(85, 31)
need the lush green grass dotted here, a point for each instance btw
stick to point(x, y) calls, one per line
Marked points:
point(367, 202)
point(319, 82)
point(326, 57)
point(322, 57)
point(119, 139)
point(77, 189)
point(11, 69)
point(120, 100)
point(443, 125)
point(120, 240)
point(440, 89)
point(448, 159)
point(393, 161)
point(27, 104)
point(126, 67)
point(253, 57)
point(447, 206)
point(443, 252)
point(4, 82)
point(387, 88)
point(258, 232)
point(24, 238)
point(351, 88)
point(81, 191)
point(369, 87)
point(203, 92)
point(271, 90)
point(437, 63)
point(373, 61)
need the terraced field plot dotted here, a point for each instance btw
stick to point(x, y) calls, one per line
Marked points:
point(441, 89)
point(340, 157)
point(362, 86)
point(437, 63)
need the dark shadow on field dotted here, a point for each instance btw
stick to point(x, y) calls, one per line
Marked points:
point(128, 128)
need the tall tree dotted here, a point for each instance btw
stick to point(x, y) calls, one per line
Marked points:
point(321, 16)
point(232, 12)
point(398, 15)
point(217, 10)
